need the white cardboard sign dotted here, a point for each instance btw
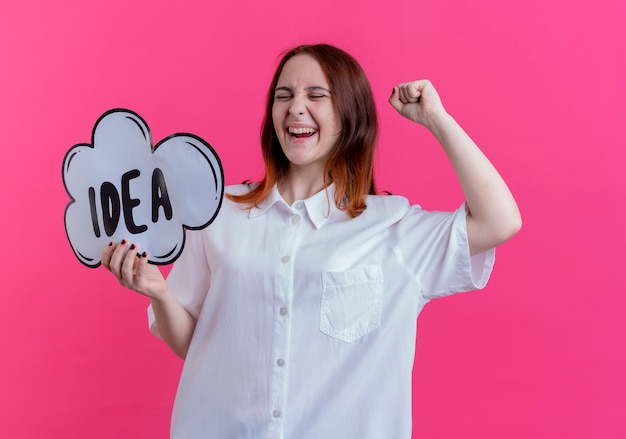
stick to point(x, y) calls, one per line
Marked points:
point(123, 187)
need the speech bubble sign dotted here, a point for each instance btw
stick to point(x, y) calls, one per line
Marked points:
point(123, 187)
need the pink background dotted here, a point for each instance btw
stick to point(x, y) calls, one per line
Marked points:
point(540, 85)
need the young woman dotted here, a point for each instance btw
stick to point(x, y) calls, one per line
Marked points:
point(295, 311)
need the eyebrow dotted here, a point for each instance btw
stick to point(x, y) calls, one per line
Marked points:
point(309, 89)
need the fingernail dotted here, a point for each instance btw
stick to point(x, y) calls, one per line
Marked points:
point(144, 254)
point(132, 246)
point(123, 241)
point(138, 255)
point(110, 243)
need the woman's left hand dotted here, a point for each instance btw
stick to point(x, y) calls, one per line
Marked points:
point(417, 101)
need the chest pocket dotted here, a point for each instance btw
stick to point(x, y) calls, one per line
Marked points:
point(351, 302)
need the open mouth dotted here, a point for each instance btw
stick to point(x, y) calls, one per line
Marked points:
point(301, 133)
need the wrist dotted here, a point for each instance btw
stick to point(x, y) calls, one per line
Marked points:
point(439, 123)
point(161, 296)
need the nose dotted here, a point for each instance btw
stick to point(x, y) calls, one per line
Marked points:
point(297, 107)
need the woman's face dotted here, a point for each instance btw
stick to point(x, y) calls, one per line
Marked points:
point(303, 113)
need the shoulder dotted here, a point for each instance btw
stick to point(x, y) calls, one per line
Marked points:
point(383, 211)
point(388, 205)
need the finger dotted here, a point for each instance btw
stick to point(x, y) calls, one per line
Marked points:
point(115, 263)
point(142, 265)
point(106, 255)
point(412, 92)
point(129, 265)
point(408, 94)
point(402, 93)
point(415, 93)
point(394, 100)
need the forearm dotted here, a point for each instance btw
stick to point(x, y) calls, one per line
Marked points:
point(175, 324)
point(493, 213)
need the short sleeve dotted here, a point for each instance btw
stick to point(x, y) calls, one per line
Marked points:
point(189, 279)
point(434, 249)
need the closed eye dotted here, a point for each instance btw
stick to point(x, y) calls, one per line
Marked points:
point(283, 97)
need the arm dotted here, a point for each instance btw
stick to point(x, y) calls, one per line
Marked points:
point(493, 215)
point(132, 270)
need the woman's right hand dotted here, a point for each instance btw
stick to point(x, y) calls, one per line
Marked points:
point(133, 270)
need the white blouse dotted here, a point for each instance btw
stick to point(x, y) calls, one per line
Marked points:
point(306, 318)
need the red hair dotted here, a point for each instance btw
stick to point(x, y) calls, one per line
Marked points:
point(351, 162)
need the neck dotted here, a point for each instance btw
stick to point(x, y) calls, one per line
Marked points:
point(299, 185)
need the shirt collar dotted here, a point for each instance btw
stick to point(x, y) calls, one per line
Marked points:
point(319, 207)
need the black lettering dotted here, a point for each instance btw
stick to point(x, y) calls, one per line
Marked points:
point(94, 214)
point(130, 203)
point(160, 196)
point(110, 201)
